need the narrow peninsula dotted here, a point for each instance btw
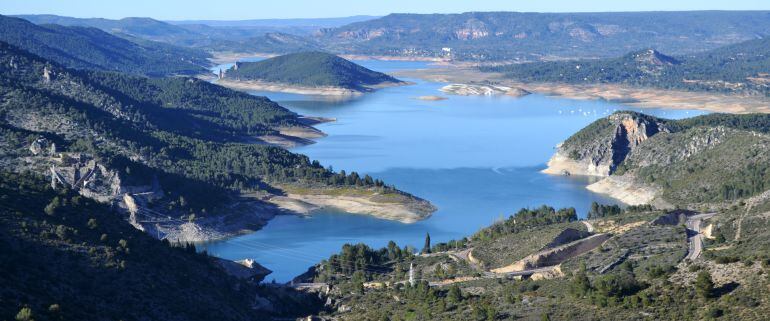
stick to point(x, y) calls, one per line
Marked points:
point(314, 73)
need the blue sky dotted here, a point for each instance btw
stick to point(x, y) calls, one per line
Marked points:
point(262, 9)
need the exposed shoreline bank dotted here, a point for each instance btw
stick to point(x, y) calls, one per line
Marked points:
point(303, 90)
point(286, 88)
point(254, 212)
point(629, 96)
point(390, 206)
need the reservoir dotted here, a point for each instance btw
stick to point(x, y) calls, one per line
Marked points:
point(476, 158)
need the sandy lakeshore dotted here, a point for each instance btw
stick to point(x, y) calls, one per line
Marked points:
point(303, 90)
point(292, 89)
point(390, 206)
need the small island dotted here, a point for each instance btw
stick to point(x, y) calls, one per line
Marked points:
point(431, 98)
point(311, 73)
point(483, 90)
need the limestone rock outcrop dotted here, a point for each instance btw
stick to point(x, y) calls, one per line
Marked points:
point(600, 148)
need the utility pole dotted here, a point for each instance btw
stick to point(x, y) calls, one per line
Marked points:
point(411, 274)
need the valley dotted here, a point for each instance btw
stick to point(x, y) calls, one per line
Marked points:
point(451, 166)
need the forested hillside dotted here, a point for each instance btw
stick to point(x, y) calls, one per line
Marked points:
point(90, 48)
point(313, 69)
point(193, 136)
point(742, 68)
point(66, 257)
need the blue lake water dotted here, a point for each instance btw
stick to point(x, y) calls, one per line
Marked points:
point(476, 158)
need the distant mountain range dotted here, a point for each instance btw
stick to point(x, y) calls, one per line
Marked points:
point(312, 69)
point(475, 36)
point(91, 48)
point(303, 22)
point(739, 68)
point(535, 36)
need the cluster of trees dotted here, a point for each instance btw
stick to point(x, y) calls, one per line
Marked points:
point(526, 219)
point(362, 263)
point(748, 181)
point(753, 122)
point(450, 245)
point(601, 210)
point(608, 289)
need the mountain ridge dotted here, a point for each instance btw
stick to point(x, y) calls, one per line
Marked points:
point(90, 48)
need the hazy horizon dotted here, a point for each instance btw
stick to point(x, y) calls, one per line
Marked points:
point(178, 10)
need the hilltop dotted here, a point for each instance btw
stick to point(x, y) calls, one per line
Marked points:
point(308, 70)
point(90, 48)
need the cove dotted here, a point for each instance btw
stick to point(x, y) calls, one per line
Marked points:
point(477, 158)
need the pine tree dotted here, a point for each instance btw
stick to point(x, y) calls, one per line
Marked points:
point(426, 247)
point(454, 295)
point(704, 286)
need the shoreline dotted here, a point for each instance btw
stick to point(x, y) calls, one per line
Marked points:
point(327, 91)
point(629, 96)
point(253, 212)
point(286, 88)
point(388, 206)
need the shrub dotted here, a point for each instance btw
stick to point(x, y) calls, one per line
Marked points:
point(726, 259)
point(25, 314)
point(704, 286)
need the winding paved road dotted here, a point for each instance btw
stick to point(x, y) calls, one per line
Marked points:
point(694, 235)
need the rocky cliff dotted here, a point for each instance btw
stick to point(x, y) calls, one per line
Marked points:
point(706, 160)
point(598, 149)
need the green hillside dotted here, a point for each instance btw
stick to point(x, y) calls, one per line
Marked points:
point(314, 69)
point(193, 135)
point(145, 28)
point(742, 68)
point(90, 48)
